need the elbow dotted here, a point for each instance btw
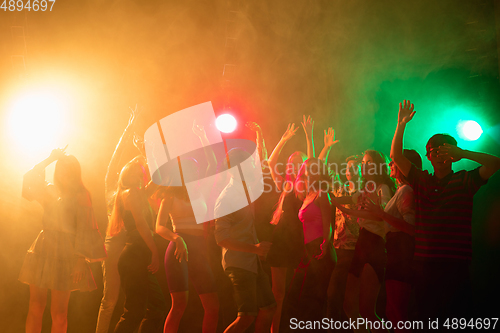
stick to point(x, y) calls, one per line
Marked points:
point(394, 155)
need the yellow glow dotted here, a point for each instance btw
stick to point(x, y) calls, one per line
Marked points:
point(37, 121)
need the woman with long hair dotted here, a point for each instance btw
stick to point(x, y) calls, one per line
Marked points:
point(345, 236)
point(144, 302)
point(186, 256)
point(116, 243)
point(287, 245)
point(399, 217)
point(58, 259)
point(308, 291)
point(368, 264)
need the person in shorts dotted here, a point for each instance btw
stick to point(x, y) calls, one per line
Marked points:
point(235, 233)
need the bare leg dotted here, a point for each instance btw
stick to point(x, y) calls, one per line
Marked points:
point(351, 300)
point(111, 279)
point(240, 324)
point(398, 297)
point(38, 300)
point(59, 310)
point(279, 288)
point(179, 303)
point(211, 305)
point(264, 320)
point(368, 294)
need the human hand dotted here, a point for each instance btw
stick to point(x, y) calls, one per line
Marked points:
point(181, 250)
point(253, 126)
point(199, 130)
point(372, 207)
point(308, 125)
point(406, 112)
point(139, 144)
point(155, 263)
point(324, 250)
point(134, 115)
point(330, 137)
point(57, 153)
point(450, 152)
point(79, 270)
point(262, 248)
point(290, 131)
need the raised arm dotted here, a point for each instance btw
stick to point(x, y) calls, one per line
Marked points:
point(162, 230)
point(261, 145)
point(199, 131)
point(113, 171)
point(329, 143)
point(308, 126)
point(489, 163)
point(34, 180)
point(405, 114)
point(273, 159)
point(135, 201)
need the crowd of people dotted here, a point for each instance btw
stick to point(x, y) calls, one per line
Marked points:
point(342, 237)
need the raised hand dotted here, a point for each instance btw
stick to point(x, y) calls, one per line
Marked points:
point(253, 126)
point(330, 137)
point(308, 125)
point(134, 115)
point(450, 152)
point(199, 130)
point(406, 112)
point(139, 144)
point(290, 131)
point(57, 153)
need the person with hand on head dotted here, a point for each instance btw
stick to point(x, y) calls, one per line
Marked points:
point(186, 257)
point(443, 211)
point(287, 237)
point(144, 302)
point(58, 259)
point(242, 251)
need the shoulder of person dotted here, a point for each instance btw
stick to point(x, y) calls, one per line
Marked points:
point(383, 187)
point(405, 188)
point(132, 195)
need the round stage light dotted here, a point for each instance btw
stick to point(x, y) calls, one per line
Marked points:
point(470, 130)
point(225, 123)
point(36, 122)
